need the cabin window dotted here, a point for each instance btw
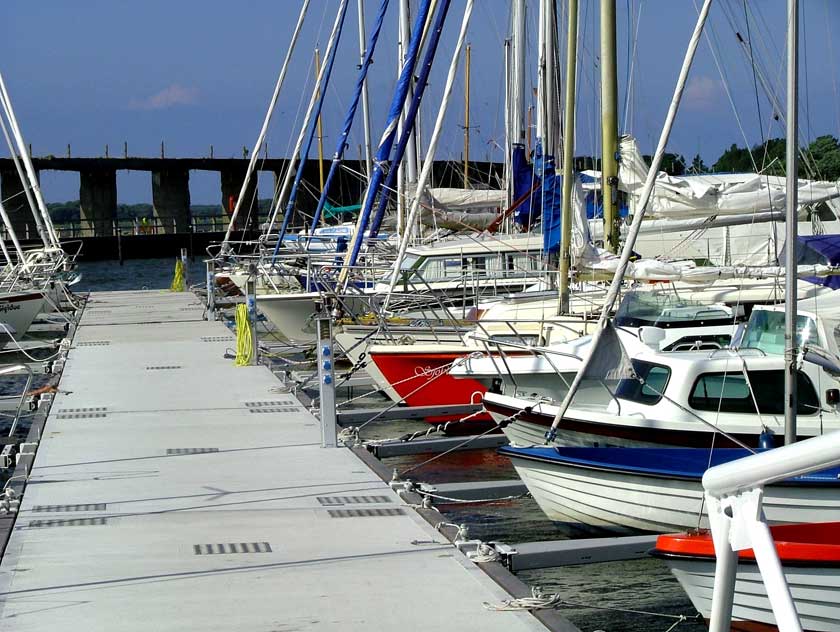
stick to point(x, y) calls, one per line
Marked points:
point(766, 331)
point(494, 265)
point(408, 262)
point(655, 378)
point(730, 393)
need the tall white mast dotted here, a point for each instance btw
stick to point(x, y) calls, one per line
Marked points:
point(51, 238)
point(307, 119)
point(635, 227)
point(430, 152)
point(252, 163)
point(42, 233)
point(791, 203)
point(365, 111)
point(518, 102)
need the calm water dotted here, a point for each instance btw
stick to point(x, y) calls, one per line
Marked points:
point(135, 274)
point(615, 587)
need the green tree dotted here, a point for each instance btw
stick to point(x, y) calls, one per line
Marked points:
point(824, 156)
point(697, 165)
point(733, 160)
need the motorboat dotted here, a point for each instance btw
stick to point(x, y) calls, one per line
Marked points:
point(810, 557)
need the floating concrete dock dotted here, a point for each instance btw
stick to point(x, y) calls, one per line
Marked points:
point(172, 490)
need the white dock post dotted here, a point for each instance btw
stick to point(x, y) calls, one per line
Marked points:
point(186, 266)
point(326, 379)
point(211, 294)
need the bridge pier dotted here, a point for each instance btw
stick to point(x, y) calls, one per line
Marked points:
point(98, 201)
point(16, 205)
point(171, 199)
point(232, 180)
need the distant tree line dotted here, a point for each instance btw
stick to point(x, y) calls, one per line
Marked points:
point(818, 161)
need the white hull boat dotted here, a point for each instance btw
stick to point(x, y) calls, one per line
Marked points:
point(653, 489)
point(810, 556)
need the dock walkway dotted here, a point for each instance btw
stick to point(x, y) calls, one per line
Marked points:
point(174, 491)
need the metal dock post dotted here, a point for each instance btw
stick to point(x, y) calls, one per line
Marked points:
point(326, 379)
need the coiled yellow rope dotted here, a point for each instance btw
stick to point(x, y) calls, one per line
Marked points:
point(244, 343)
point(178, 281)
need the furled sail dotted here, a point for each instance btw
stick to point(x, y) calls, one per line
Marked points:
point(686, 197)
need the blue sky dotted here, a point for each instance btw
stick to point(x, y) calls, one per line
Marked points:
point(198, 72)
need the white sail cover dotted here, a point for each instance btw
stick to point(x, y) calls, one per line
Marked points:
point(704, 195)
point(688, 272)
point(451, 199)
point(458, 209)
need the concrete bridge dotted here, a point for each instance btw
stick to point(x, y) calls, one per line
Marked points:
point(170, 187)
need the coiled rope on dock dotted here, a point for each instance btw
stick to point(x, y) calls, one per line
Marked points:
point(549, 601)
point(244, 341)
point(178, 280)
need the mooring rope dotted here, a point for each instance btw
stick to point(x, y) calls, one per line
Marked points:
point(244, 341)
point(548, 601)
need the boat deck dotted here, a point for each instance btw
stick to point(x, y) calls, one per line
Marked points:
point(174, 491)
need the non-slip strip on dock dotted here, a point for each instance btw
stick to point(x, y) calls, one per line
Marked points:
point(159, 501)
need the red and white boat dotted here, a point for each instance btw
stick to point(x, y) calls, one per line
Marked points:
point(810, 556)
point(419, 374)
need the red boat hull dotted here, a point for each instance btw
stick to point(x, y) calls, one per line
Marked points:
point(422, 379)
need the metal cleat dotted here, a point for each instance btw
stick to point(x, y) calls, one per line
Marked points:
point(6, 455)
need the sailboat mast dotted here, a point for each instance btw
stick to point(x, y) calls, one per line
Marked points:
point(467, 54)
point(609, 126)
point(791, 199)
point(518, 105)
point(252, 163)
point(550, 80)
point(568, 155)
point(365, 111)
point(320, 132)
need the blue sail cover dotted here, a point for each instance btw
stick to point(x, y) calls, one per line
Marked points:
point(523, 180)
point(819, 249)
point(551, 201)
point(545, 201)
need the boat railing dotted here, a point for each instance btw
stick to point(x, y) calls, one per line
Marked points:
point(733, 493)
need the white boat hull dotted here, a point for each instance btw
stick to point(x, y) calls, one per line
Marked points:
point(619, 501)
point(291, 314)
point(17, 311)
point(815, 591)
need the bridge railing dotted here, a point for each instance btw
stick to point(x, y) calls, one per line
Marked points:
point(136, 226)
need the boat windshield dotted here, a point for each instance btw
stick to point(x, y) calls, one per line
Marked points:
point(766, 331)
point(667, 311)
point(408, 262)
